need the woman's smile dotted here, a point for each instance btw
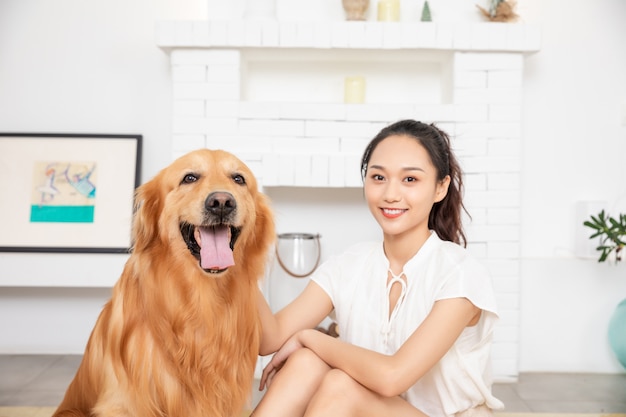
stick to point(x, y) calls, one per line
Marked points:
point(392, 213)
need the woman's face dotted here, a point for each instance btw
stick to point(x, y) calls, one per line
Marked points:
point(401, 186)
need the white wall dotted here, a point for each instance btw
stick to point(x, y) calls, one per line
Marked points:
point(52, 52)
point(573, 150)
point(84, 67)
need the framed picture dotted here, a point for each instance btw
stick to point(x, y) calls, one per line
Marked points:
point(67, 192)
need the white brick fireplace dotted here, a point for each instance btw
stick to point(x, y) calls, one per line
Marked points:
point(272, 93)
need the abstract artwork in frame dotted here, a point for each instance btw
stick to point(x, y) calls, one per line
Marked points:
point(67, 192)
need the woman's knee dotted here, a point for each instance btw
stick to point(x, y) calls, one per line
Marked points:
point(338, 393)
point(294, 385)
point(338, 384)
point(338, 379)
point(305, 360)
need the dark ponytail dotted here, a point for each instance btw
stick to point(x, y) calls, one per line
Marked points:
point(445, 216)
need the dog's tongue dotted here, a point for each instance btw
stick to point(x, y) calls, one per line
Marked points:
point(215, 252)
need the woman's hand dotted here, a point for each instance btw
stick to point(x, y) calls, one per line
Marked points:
point(278, 360)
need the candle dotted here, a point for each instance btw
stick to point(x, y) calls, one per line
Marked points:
point(388, 10)
point(354, 90)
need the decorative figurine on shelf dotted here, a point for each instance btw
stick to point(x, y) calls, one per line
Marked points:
point(355, 9)
point(426, 17)
point(500, 11)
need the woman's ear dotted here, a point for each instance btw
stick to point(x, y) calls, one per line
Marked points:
point(442, 189)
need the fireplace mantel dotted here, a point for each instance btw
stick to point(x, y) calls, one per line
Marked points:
point(484, 36)
point(313, 141)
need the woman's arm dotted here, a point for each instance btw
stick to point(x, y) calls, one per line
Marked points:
point(393, 375)
point(304, 312)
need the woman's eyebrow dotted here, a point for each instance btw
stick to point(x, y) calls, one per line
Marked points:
point(413, 169)
point(404, 168)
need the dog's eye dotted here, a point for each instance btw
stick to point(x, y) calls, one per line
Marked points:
point(239, 179)
point(189, 178)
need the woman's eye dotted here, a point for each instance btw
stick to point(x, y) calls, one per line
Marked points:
point(189, 178)
point(377, 177)
point(239, 179)
point(410, 179)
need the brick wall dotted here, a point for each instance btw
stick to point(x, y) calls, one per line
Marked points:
point(306, 144)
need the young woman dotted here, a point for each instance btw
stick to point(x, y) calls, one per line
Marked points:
point(415, 312)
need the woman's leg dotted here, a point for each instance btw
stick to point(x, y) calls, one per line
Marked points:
point(340, 395)
point(293, 386)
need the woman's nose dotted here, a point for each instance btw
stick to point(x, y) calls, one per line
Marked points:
point(392, 192)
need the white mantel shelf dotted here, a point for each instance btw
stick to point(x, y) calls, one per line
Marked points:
point(484, 36)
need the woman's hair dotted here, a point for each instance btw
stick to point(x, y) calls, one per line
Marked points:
point(445, 216)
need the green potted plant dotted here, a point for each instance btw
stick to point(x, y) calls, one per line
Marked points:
point(612, 234)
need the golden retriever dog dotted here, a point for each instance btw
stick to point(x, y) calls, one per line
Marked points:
point(180, 335)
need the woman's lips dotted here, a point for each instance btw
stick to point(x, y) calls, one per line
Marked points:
point(392, 213)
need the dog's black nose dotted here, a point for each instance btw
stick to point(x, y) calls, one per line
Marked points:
point(220, 203)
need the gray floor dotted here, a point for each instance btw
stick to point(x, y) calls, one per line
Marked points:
point(41, 380)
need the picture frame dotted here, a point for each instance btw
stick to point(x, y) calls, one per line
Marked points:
point(68, 192)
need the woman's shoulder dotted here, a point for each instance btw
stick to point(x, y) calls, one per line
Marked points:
point(354, 254)
point(455, 255)
point(461, 274)
point(344, 266)
point(439, 247)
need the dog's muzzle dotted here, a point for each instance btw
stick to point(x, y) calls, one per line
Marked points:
point(213, 242)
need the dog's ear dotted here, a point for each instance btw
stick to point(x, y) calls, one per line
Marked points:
point(264, 228)
point(148, 206)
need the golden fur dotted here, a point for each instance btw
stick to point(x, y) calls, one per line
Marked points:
point(175, 339)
